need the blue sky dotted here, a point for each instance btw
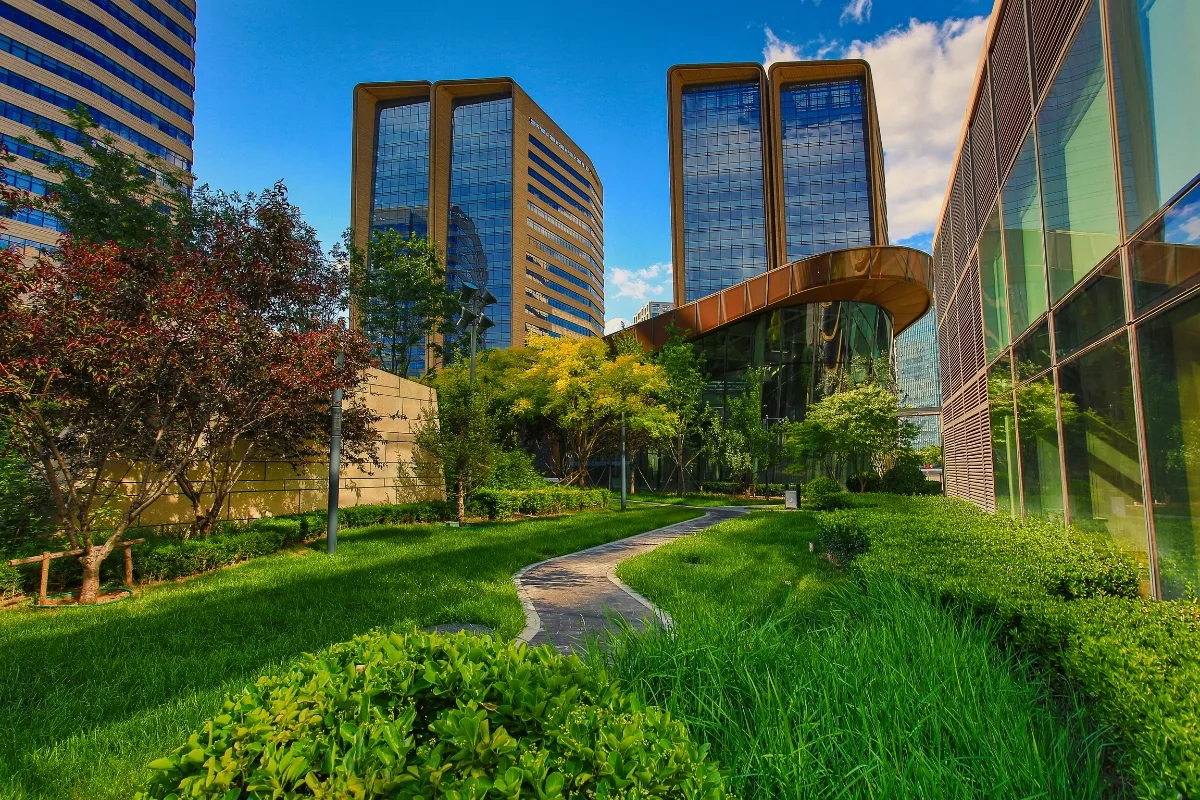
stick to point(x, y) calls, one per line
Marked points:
point(274, 81)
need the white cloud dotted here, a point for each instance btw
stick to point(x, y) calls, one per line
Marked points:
point(650, 283)
point(923, 75)
point(614, 325)
point(857, 11)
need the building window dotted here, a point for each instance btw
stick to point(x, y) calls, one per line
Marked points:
point(1166, 257)
point(1098, 309)
point(1079, 192)
point(1167, 347)
point(995, 287)
point(1104, 481)
point(1025, 263)
point(1004, 438)
point(1041, 470)
point(1157, 89)
point(1031, 355)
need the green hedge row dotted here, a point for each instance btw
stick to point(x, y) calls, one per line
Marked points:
point(503, 503)
point(735, 488)
point(1068, 596)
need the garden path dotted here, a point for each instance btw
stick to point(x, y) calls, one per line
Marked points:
point(568, 597)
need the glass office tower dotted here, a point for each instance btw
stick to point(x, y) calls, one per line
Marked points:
point(130, 63)
point(513, 204)
point(1069, 271)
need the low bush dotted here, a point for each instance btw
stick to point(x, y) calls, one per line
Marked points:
point(863, 482)
point(164, 559)
point(514, 469)
point(905, 477)
point(11, 581)
point(823, 494)
point(502, 504)
point(736, 488)
point(1067, 596)
point(427, 715)
point(396, 514)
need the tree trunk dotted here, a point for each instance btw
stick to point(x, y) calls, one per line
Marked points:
point(679, 466)
point(91, 560)
point(462, 502)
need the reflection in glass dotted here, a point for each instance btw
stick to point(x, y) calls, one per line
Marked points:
point(724, 215)
point(1025, 264)
point(1079, 192)
point(995, 287)
point(1167, 347)
point(1104, 481)
point(1041, 471)
point(1166, 257)
point(1157, 85)
point(1032, 354)
point(1004, 438)
point(1098, 309)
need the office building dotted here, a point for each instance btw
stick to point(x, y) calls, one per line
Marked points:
point(130, 63)
point(779, 231)
point(919, 382)
point(652, 309)
point(1068, 257)
point(513, 204)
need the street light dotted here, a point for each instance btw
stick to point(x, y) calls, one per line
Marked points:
point(474, 301)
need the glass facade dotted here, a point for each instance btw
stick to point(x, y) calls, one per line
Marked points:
point(1024, 260)
point(479, 244)
point(826, 184)
point(401, 195)
point(1004, 438)
point(995, 287)
point(1165, 259)
point(1041, 470)
point(724, 211)
point(1097, 309)
point(917, 364)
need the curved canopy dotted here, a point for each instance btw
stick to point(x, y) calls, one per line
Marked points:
point(898, 279)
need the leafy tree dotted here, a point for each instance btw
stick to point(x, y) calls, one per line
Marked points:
point(854, 429)
point(400, 295)
point(743, 443)
point(930, 455)
point(579, 389)
point(683, 368)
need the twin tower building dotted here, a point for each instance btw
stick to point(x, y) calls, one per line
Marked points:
point(778, 216)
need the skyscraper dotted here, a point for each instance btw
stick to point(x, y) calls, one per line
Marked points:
point(512, 203)
point(129, 63)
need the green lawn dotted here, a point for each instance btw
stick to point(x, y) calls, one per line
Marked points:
point(89, 696)
point(697, 500)
point(809, 685)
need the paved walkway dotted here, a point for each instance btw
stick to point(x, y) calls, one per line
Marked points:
point(568, 597)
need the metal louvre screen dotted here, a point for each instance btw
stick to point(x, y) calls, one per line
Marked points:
point(943, 260)
point(983, 153)
point(963, 201)
point(1010, 83)
point(1050, 26)
point(968, 460)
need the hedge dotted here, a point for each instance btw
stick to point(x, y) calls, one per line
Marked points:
point(429, 715)
point(735, 488)
point(1069, 597)
point(823, 494)
point(503, 504)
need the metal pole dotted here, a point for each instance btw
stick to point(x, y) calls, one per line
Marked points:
point(335, 465)
point(624, 461)
point(474, 333)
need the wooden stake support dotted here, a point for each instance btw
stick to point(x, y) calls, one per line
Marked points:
point(46, 558)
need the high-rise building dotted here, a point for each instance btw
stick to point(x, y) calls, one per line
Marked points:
point(918, 380)
point(513, 204)
point(1068, 261)
point(652, 309)
point(129, 63)
point(779, 231)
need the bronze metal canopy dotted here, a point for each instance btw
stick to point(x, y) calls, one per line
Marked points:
point(899, 279)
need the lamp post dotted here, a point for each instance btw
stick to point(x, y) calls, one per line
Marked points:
point(624, 463)
point(335, 465)
point(474, 301)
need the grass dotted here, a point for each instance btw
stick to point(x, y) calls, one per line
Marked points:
point(698, 500)
point(809, 685)
point(90, 696)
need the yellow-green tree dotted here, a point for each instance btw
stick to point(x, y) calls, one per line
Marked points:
point(579, 389)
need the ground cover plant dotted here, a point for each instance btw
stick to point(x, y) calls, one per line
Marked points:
point(809, 684)
point(699, 499)
point(90, 696)
point(1069, 598)
point(405, 715)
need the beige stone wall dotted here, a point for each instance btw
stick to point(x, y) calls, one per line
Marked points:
point(272, 488)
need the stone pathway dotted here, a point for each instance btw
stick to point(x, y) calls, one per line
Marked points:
point(568, 597)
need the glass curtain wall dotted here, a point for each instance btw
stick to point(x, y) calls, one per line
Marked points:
point(724, 211)
point(1041, 470)
point(826, 184)
point(479, 246)
point(1025, 263)
point(1165, 259)
point(1004, 438)
point(995, 287)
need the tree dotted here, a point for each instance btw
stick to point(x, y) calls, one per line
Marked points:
point(931, 455)
point(579, 389)
point(400, 295)
point(683, 368)
point(744, 442)
point(455, 443)
point(856, 428)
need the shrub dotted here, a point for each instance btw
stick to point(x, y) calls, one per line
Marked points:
point(514, 469)
point(502, 504)
point(427, 715)
point(905, 477)
point(395, 514)
point(11, 581)
point(823, 494)
point(869, 480)
point(1067, 596)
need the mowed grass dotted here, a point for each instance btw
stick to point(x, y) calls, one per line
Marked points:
point(89, 696)
point(808, 685)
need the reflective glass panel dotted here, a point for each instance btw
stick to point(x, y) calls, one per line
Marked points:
point(1157, 80)
point(1168, 346)
point(1079, 189)
point(1023, 258)
point(826, 188)
point(917, 364)
point(1104, 480)
point(1004, 438)
point(1032, 354)
point(995, 287)
point(1041, 472)
point(479, 246)
point(1166, 257)
point(724, 216)
point(1099, 308)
